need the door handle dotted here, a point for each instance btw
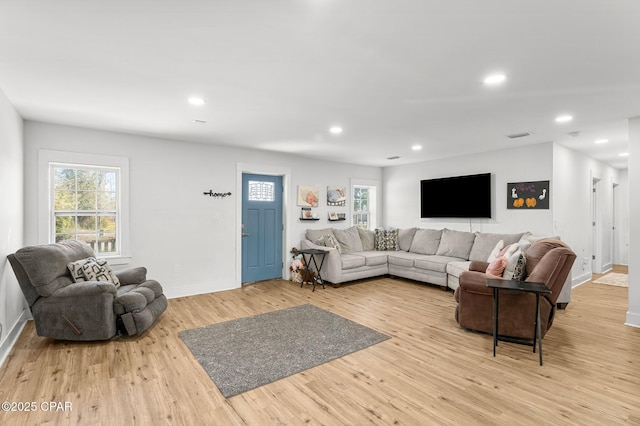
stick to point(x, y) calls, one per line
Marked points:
point(245, 234)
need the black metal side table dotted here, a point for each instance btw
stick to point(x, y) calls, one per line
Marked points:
point(530, 287)
point(309, 256)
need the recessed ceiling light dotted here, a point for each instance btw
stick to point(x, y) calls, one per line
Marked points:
point(335, 130)
point(416, 147)
point(563, 118)
point(197, 101)
point(599, 141)
point(624, 154)
point(494, 79)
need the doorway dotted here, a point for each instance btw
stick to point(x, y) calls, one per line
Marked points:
point(262, 227)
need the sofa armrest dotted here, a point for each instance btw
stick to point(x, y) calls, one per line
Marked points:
point(332, 267)
point(474, 282)
point(129, 276)
point(85, 288)
point(478, 266)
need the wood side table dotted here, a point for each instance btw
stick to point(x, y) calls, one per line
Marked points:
point(529, 287)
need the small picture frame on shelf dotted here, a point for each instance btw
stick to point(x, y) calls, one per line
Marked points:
point(342, 216)
point(305, 213)
point(333, 216)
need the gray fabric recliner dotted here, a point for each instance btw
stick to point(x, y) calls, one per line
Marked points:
point(90, 310)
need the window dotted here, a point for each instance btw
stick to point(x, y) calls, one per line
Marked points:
point(85, 206)
point(363, 206)
point(85, 197)
point(261, 191)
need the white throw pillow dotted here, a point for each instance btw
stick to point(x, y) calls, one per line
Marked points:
point(496, 250)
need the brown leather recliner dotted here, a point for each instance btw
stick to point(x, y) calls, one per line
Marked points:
point(548, 261)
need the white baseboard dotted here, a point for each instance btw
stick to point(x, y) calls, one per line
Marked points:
point(633, 319)
point(580, 279)
point(13, 334)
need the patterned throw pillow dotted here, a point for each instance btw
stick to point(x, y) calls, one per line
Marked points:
point(92, 269)
point(519, 271)
point(330, 240)
point(386, 239)
point(76, 269)
point(99, 271)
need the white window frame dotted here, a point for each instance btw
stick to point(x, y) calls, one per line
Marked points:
point(46, 228)
point(374, 196)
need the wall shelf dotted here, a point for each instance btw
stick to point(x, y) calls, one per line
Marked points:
point(337, 220)
point(310, 218)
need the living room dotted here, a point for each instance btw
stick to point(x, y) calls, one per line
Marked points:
point(191, 242)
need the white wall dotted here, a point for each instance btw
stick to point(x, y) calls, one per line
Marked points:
point(188, 241)
point(524, 164)
point(572, 215)
point(13, 311)
point(621, 239)
point(633, 314)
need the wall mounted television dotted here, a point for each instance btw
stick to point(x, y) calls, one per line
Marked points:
point(456, 197)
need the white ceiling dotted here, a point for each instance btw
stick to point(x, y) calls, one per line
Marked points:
point(278, 73)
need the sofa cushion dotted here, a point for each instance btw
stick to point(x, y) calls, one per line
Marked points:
point(434, 263)
point(456, 244)
point(401, 258)
point(316, 235)
point(374, 258)
point(368, 239)
point(349, 239)
point(386, 239)
point(485, 242)
point(457, 267)
point(405, 237)
point(352, 261)
point(426, 241)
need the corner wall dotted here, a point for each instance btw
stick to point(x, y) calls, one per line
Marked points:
point(13, 307)
point(633, 314)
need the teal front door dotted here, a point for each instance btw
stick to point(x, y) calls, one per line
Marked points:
point(261, 227)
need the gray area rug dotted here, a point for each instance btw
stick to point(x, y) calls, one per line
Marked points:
point(243, 354)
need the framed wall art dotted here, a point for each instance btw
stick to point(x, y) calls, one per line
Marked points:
point(336, 196)
point(308, 196)
point(528, 195)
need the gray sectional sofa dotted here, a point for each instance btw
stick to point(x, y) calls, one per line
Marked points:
point(431, 256)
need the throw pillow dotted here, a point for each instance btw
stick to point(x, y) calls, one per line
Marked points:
point(512, 261)
point(368, 239)
point(456, 244)
point(349, 239)
point(386, 239)
point(75, 268)
point(496, 267)
point(316, 235)
point(329, 240)
point(519, 271)
point(496, 250)
point(99, 271)
point(405, 237)
point(426, 241)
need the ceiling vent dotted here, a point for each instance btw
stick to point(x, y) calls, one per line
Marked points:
point(574, 134)
point(395, 157)
point(199, 122)
point(518, 135)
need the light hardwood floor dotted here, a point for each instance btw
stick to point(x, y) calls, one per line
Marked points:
point(429, 372)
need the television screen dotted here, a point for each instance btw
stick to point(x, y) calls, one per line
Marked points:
point(456, 197)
